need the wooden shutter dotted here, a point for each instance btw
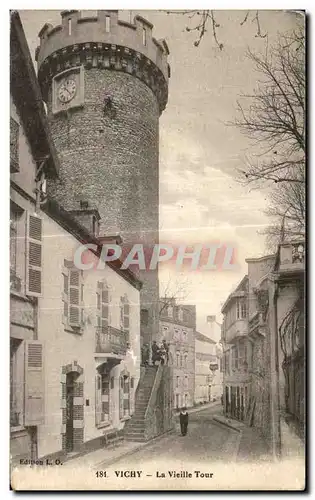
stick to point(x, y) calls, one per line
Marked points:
point(126, 316)
point(104, 308)
point(65, 295)
point(74, 298)
point(98, 399)
point(121, 397)
point(33, 255)
point(34, 383)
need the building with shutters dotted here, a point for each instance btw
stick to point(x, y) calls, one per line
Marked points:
point(208, 374)
point(30, 144)
point(178, 328)
point(74, 335)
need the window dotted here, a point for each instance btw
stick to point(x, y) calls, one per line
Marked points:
point(186, 382)
point(181, 360)
point(103, 400)
point(186, 400)
point(177, 382)
point(185, 359)
point(184, 336)
point(14, 146)
point(144, 36)
point(102, 312)
point(69, 26)
point(180, 315)
point(177, 400)
point(177, 359)
point(170, 312)
point(124, 396)
point(241, 309)
point(107, 24)
point(94, 226)
point(73, 296)
point(144, 317)
point(176, 334)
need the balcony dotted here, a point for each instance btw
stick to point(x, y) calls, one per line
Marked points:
point(236, 330)
point(111, 341)
point(292, 257)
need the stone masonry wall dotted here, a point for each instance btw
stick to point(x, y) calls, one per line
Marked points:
point(112, 162)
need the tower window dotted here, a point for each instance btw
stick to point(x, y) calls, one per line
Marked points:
point(144, 36)
point(107, 24)
point(69, 26)
point(84, 205)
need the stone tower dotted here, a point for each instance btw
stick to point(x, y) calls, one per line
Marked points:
point(105, 83)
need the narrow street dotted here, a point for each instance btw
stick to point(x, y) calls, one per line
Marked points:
point(205, 442)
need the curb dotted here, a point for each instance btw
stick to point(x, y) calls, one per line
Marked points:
point(235, 429)
point(226, 424)
point(134, 450)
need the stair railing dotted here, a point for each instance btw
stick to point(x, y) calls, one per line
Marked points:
point(151, 404)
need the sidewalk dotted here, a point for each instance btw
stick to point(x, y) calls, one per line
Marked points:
point(251, 446)
point(107, 456)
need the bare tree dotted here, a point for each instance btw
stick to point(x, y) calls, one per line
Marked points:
point(274, 115)
point(174, 290)
point(203, 21)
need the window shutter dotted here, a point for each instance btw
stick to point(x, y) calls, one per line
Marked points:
point(74, 298)
point(34, 383)
point(34, 256)
point(65, 295)
point(98, 399)
point(126, 317)
point(121, 397)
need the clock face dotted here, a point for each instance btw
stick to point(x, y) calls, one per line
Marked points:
point(67, 90)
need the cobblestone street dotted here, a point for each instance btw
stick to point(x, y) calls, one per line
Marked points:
point(205, 442)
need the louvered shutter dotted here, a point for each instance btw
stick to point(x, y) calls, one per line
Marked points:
point(98, 399)
point(126, 317)
point(121, 397)
point(104, 308)
point(74, 298)
point(34, 384)
point(65, 295)
point(34, 255)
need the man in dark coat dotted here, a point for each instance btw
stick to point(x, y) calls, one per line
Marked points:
point(183, 420)
point(155, 352)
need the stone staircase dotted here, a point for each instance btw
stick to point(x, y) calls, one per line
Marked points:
point(135, 427)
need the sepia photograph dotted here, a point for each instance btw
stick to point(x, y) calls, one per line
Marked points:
point(157, 250)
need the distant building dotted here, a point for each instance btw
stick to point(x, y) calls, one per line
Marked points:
point(208, 372)
point(178, 327)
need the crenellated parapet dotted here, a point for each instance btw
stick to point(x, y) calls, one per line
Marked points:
point(105, 42)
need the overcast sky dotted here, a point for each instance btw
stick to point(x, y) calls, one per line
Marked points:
point(201, 199)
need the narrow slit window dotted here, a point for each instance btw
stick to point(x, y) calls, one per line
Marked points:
point(144, 36)
point(69, 26)
point(107, 24)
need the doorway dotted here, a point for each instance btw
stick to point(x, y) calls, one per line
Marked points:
point(70, 384)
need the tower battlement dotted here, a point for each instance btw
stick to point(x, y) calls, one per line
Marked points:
point(106, 42)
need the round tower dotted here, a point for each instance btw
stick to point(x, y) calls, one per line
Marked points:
point(105, 83)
